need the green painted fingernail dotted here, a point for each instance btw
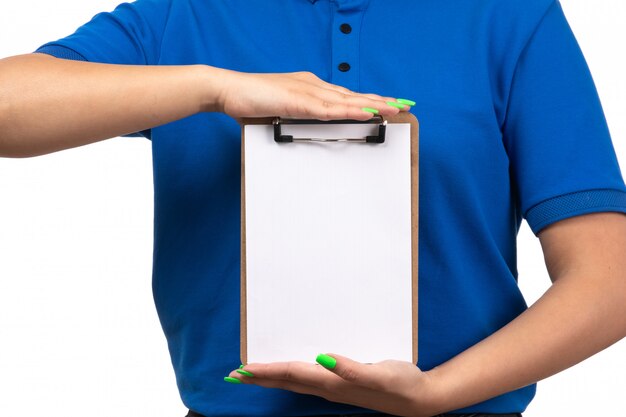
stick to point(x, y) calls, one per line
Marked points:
point(241, 366)
point(326, 361)
point(370, 110)
point(246, 373)
point(232, 380)
point(394, 104)
point(405, 101)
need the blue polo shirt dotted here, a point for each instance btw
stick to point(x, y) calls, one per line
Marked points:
point(511, 129)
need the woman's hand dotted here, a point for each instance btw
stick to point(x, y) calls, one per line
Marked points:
point(296, 94)
point(390, 386)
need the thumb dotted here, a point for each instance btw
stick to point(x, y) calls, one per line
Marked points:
point(367, 375)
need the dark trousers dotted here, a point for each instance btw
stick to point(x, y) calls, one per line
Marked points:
point(192, 414)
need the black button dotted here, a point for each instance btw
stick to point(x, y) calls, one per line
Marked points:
point(345, 28)
point(344, 66)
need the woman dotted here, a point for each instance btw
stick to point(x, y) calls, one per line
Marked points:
point(511, 127)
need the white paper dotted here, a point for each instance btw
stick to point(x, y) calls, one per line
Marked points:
point(328, 244)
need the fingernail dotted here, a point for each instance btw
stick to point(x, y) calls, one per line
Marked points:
point(405, 101)
point(326, 361)
point(232, 380)
point(246, 373)
point(370, 110)
point(394, 104)
point(241, 366)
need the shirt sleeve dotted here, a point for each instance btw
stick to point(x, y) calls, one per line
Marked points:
point(562, 160)
point(131, 35)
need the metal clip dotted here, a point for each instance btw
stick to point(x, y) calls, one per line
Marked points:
point(280, 138)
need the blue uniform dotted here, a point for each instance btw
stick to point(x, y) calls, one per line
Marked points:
point(511, 128)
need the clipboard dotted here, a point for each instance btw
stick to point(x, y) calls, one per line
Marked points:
point(329, 239)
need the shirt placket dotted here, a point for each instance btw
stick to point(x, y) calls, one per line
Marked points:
point(347, 16)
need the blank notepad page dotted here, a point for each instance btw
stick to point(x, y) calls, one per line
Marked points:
point(328, 244)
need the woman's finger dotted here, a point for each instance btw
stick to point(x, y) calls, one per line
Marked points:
point(282, 384)
point(299, 372)
point(317, 108)
point(358, 101)
point(378, 98)
point(371, 376)
point(316, 81)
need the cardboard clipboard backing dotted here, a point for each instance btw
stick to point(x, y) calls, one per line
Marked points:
point(403, 117)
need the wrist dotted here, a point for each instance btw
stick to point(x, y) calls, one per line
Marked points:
point(211, 86)
point(438, 393)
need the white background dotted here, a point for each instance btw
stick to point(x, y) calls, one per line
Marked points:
point(79, 333)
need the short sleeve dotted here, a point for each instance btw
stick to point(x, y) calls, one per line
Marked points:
point(561, 156)
point(130, 35)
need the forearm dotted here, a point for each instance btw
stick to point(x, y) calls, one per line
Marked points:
point(577, 317)
point(48, 104)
